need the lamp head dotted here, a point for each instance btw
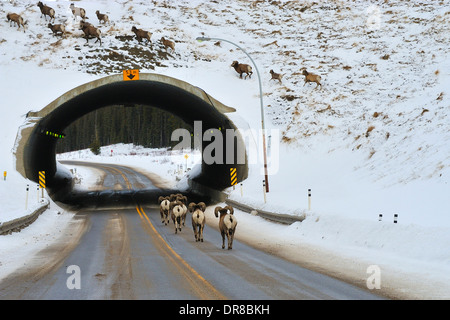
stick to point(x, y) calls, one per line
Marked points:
point(201, 39)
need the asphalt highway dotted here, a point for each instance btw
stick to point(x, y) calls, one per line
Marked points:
point(126, 252)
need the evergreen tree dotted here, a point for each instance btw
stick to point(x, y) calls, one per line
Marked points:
point(137, 124)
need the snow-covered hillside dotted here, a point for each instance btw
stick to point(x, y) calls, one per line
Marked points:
point(374, 139)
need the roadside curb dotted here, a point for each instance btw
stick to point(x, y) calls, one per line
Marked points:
point(221, 196)
point(18, 224)
point(275, 217)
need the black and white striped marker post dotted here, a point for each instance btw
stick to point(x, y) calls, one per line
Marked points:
point(380, 217)
point(395, 217)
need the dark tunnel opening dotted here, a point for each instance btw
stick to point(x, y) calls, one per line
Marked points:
point(40, 150)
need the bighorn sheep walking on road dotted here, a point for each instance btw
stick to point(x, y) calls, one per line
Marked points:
point(164, 207)
point(198, 219)
point(227, 224)
point(183, 200)
point(176, 210)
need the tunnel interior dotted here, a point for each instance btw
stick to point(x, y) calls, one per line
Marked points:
point(40, 150)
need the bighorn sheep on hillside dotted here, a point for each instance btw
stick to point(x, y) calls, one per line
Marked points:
point(142, 34)
point(276, 76)
point(46, 11)
point(198, 219)
point(164, 207)
point(242, 68)
point(176, 211)
point(168, 44)
point(102, 17)
point(227, 224)
point(76, 11)
point(85, 24)
point(17, 19)
point(90, 31)
point(311, 77)
point(57, 28)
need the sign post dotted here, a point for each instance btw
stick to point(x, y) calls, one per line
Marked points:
point(186, 156)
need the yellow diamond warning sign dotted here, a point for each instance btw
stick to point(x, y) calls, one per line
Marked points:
point(129, 75)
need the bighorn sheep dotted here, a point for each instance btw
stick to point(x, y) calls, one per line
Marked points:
point(183, 200)
point(46, 11)
point(85, 24)
point(198, 219)
point(227, 224)
point(102, 17)
point(57, 28)
point(176, 211)
point(311, 77)
point(164, 207)
point(142, 34)
point(76, 11)
point(90, 31)
point(242, 68)
point(276, 76)
point(168, 44)
point(17, 19)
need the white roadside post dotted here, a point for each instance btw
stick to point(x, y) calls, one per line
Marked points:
point(26, 198)
point(309, 199)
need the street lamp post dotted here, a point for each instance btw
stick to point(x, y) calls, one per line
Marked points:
point(266, 176)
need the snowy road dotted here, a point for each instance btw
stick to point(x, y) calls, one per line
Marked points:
point(127, 253)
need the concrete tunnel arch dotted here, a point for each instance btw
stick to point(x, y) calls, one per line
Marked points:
point(36, 151)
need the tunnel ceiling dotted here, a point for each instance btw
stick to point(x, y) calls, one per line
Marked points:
point(36, 150)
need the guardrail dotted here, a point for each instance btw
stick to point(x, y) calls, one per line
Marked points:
point(18, 224)
point(221, 196)
point(276, 217)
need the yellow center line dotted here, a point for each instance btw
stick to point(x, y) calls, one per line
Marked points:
point(127, 182)
point(216, 294)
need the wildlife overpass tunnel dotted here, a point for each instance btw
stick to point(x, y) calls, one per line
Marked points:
point(35, 147)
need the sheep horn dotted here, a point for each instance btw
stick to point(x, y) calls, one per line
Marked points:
point(173, 204)
point(191, 207)
point(202, 206)
point(230, 208)
point(216, 211)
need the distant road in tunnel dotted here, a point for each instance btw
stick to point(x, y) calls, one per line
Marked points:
point(126, 252)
